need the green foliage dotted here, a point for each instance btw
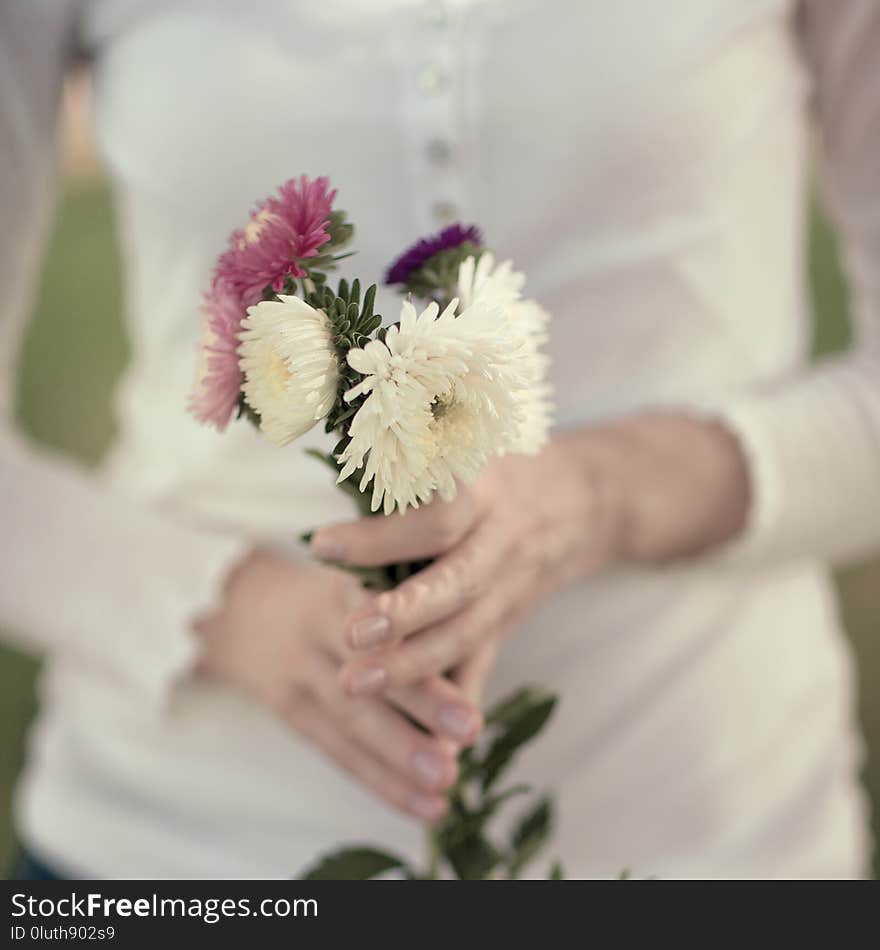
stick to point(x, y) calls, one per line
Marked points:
point(462, 841)
point(524, 716)
point(353, 323)
point(341, 232)
point(355, 864)
point(462, 838)
point(353, 320)
point(246, 411)
point(472, 856)
point(530, 834)
point(437, 277)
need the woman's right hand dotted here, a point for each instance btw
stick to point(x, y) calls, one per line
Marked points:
point(278, 634)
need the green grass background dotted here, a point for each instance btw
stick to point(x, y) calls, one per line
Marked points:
point(76, 348)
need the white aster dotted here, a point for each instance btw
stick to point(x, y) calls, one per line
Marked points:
point(481, 282)
point(290, 366)
point(441, 401)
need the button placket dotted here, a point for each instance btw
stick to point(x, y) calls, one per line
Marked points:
point(435, 14)
point(434, 87)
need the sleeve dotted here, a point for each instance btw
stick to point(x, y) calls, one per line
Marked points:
point(81, 571)
point(813, 442)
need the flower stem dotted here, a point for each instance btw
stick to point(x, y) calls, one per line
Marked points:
point(434, 853)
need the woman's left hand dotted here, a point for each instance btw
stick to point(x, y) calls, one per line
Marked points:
point(651, 487)
point(500, 546)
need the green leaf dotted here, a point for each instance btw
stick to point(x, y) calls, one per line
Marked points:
point(437, 276)
point(531, 834)
point(557, 873)
point(355, 864)
point(534, 824)
point(373, 323)
point(491, 803)
point(473, 857)
point(324, 457)
point(519, 724)
point(339, 230)
point(513, 705)
point(247, 412)
point(342, 416)
point(369, 301)
point(624, 875)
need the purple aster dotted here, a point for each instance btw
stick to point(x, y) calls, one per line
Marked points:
point(418, 254)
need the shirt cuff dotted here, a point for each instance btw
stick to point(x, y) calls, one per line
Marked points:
point(814, 466)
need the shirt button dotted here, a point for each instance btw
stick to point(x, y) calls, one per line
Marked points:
point(439, 152)
point(444, 212)
point(436, 15)
point(429, 79)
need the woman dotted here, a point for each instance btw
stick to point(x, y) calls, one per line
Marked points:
point(663, 565)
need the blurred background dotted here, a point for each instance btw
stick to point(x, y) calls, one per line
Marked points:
point(76, 349)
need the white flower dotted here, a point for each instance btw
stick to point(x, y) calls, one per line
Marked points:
point(441, 401)
point(290, 366)
point(481, 282)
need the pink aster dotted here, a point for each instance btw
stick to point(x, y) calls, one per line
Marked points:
point(283, 231)
point(219, 378)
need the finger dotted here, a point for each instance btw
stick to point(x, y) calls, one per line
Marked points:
point(396, 539)
point(431, 652)
point(441, 706)
point(440, 590)
point(313, 724)
point(380, 729)
point(471, 675)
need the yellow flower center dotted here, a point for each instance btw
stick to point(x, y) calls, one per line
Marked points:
point(451, 423)
point(277, 372)
point(256, 225)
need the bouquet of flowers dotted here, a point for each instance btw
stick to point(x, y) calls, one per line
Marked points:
point(416, 406)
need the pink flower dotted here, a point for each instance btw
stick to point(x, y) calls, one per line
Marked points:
point(283, 231)
point(219, 378)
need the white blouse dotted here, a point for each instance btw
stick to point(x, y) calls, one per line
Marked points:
point(646, 165)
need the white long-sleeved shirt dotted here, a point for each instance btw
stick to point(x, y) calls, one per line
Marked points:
point(646, 168)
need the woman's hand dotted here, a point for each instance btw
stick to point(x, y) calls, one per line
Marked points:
point(652, 487)
point(278, 634)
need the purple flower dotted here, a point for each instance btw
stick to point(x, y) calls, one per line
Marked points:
point(417, 255)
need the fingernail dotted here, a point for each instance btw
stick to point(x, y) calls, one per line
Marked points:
point(370, 631)
point(457, 721)
point(429, 767)
point(368, 679)
point(426, 806)
point(326, 547)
